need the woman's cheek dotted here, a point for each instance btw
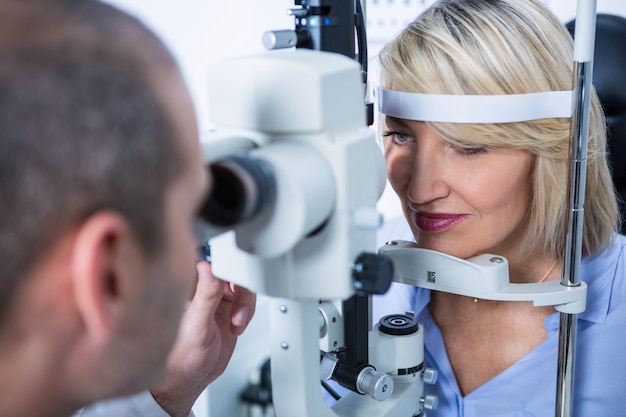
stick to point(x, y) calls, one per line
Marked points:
point(399, 168)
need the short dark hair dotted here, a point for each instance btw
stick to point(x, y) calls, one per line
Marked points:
point(81, 128)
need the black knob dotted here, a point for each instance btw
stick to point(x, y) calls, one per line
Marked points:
point(372, 273)
point(398, 324)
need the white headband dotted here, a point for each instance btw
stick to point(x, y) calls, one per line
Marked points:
point(504, 108)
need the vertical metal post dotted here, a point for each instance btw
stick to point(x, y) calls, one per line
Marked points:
point(584, 40)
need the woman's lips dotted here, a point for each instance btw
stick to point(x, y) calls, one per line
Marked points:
point(436, 222)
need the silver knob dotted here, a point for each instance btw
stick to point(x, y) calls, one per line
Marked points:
point(279, 39)
point(377, 385)
point(298, 12)
point(431, 402)
point(430, 376)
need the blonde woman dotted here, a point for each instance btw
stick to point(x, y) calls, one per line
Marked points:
point(472, 181)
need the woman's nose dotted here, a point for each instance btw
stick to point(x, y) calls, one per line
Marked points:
point(428, 178)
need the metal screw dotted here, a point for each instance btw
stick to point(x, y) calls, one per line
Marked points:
point(284, 345)
point(497, 260)
point(283, 308)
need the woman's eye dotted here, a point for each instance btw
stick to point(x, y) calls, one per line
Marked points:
point(398, 137)
point(469, 150)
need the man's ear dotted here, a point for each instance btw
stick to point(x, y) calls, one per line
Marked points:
point(97, 263)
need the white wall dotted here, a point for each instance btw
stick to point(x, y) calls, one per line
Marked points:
point(200, 32)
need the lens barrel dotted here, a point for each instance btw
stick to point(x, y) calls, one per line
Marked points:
point(242, 186)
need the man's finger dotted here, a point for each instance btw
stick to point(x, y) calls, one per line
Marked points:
point(209, 291)
point(244, 304)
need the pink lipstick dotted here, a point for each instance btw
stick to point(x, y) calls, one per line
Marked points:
point(436, 222)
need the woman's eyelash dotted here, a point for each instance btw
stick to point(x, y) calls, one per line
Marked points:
point(395, 134)
point(470, 150)
point(465, 149)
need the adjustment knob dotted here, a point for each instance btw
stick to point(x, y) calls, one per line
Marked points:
point(298, 12)
point(372, 273)
point(279, 39)
point(377, 385)
point(430, 376)
point(398, 324)
point(431, 402)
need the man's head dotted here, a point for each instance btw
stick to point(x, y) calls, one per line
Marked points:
point(100, 177)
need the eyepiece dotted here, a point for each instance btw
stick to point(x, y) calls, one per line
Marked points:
point(242, 187)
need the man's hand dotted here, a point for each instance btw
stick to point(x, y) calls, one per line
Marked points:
point(218, 313)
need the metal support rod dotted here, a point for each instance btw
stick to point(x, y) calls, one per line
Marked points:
point(584, 39)
point(566, 357)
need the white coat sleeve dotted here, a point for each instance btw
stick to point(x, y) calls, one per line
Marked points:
point(138, 405)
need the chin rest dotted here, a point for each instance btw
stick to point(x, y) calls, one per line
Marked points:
point(609, 79)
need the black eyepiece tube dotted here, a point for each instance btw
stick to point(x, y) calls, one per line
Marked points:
point(242, 187)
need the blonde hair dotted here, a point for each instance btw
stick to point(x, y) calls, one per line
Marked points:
point(510, 47)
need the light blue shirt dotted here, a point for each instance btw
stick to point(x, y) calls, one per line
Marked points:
point(528, 387)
